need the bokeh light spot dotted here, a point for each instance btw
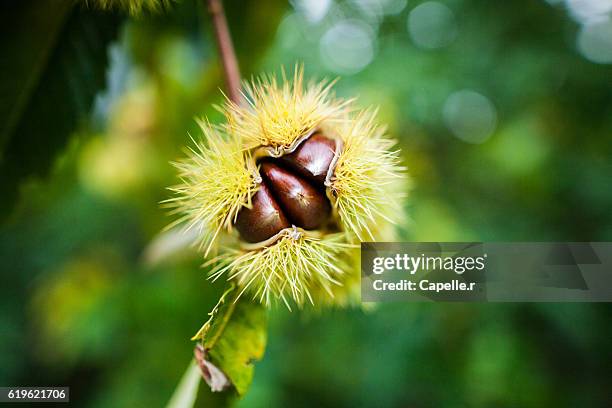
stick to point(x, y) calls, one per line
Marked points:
point(589, 11)
point(595, 42)
point(470, 116)
point(348, 46)
point(381, 7)
point(432, 25)
point(313, 10)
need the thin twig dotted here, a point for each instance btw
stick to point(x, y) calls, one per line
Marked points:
point(226, 50)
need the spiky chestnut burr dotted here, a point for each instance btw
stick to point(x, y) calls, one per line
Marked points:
point(134, 7)
point(290, 183)
point(292, 192)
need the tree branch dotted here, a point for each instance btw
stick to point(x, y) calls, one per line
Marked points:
point(226, 50)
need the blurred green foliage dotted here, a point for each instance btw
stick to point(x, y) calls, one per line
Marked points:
point(93, 297)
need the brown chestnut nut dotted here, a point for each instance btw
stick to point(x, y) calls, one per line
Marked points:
point(312, 158)
point(303, 204)
point(263, 220)
point(292, 192)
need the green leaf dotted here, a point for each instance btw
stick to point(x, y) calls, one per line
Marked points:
point(29, 34)
point(233, 339)
point(53, 64)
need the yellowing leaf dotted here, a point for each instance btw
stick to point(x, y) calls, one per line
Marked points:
point(233, 339)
